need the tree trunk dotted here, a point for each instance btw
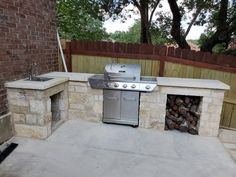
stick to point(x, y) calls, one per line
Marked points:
point(222, 34)
point(145, 36)
point(176, 25)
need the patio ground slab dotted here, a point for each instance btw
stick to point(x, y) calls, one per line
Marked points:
point(84, 149)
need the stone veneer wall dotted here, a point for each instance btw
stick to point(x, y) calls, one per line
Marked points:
point(153, 108)
point(31, 110)
point(85, 102)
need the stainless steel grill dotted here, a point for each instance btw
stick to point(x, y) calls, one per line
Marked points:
point(122, 84)
point(123, 77)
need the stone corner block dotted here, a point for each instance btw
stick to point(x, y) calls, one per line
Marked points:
point(30, 131)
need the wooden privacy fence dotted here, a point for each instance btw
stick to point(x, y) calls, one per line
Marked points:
point(91, 57)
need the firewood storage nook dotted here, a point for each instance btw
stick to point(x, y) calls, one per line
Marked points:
point(168, 107)
point(183, 113)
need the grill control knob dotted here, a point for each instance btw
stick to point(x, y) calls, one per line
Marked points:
point(116, 85)
point(125, 86)
point(147, 87)
point(133, 86)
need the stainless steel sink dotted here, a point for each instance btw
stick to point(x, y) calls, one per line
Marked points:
point(39, 79)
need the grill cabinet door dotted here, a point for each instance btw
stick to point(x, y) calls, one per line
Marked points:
point(111, 104)
point(130, 106)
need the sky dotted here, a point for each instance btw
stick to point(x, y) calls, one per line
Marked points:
point(117, 25)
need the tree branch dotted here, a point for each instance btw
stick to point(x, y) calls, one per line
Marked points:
point(222, 18)
point(137, 5)
point(192, 22)
point(176, 25)
point(154, 9)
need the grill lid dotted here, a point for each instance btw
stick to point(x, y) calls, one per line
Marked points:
point(122, 72)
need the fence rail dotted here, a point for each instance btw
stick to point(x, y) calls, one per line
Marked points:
point(91, 57)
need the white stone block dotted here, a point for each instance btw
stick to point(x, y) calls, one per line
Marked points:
point(80, 84)
point(49, 105)
point(32, 119)
point(217, 93)
point(81, 89)
point(97, 107)
point(207, 99)
point(18, 118)
point(217, 101)
point(77, 106)
point(185, 91)
point(30, 131)
point(37, 106)
point(71, 88)
point(204, 107)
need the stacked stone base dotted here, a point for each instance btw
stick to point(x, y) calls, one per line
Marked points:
point(85, 102)
point(31, 110)
point(153, 108)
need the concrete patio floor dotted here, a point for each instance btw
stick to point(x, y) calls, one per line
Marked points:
point(84, 149)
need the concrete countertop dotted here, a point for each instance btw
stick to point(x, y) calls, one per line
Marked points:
point(60, 77)
point(192, 83)
point(162, 81)
point(35, 85)
point(82, 77)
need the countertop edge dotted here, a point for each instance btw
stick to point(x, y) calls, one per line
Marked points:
point(35, 85)
point(192, 83)
point(81, 77)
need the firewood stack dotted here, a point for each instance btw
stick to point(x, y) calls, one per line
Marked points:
point(182, 113)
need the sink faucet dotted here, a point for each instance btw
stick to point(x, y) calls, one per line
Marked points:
point(31, 71)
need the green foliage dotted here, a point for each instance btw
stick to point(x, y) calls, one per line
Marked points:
point(79, 19)
point(219, 48)
point(230, 52)
point(133, 35)
point(204, 37)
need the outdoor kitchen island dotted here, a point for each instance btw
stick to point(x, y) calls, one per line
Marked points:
point(86, 103)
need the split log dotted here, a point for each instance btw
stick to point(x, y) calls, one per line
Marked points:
point(194, 123)
point(175, 108)
point(197, 114)
point(193, 130)
point(166, 127)
point(182, 110)
point(178, 101)
point(193, 108)
point(179, 120)
point(183, 126)
point(187, 100)
point(173, 113)
point(170, 124)
point(195, 119)
point(189, 117)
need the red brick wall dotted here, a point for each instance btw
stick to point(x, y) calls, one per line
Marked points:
point(27, 35)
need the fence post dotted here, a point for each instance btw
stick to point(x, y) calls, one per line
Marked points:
point(162, 67)
point(68, 56)
point(163, 53)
